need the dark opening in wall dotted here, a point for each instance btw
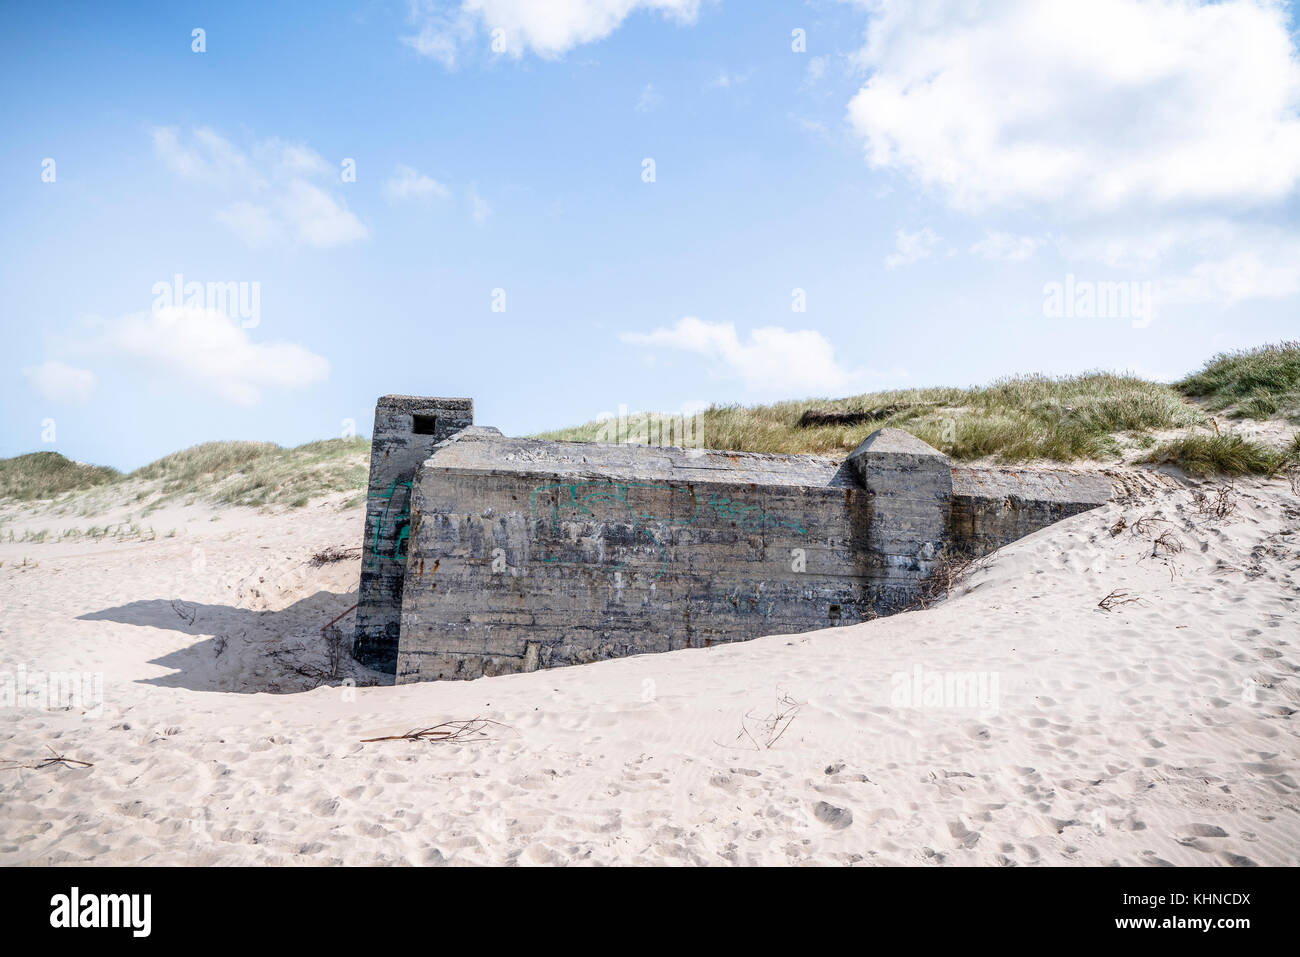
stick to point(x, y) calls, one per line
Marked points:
point(424, 424)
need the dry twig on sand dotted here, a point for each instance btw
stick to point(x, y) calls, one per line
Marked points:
point(473, 729)
point(947, 571)
point(768, 730)
point(1117, 597)
point(332, 553)
point(1146, 525)
point(1220, 505)
point(55, 758)
point(1119, 526)
point(334, 651)
point(1167, 540)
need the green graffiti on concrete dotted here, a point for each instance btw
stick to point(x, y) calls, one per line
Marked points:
point(622, 503)
point(392, 529)
point(651, 513)
point(752, 518)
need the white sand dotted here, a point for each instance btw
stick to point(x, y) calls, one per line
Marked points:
point(1126, 737)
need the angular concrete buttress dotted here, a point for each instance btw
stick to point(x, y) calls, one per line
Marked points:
point(910, 484)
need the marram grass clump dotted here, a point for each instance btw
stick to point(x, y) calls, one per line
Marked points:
point(1259, 383)
point(1206, 455)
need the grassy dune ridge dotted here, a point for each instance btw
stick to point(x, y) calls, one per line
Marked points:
point(1016, 419)
point(1091, 416)
point(228, 473)
point(1259, 383)
point(47, 474)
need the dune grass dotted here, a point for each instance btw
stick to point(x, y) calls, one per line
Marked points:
point(1207, 455)
point(47, 474)
point(230, 473)
point(1258, 383)
point(260, 473)
point(1063, 419)
point(1013, 420)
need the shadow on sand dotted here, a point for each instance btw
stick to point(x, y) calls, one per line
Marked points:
point(245, 650)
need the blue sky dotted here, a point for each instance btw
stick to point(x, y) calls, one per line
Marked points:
point(916, 178)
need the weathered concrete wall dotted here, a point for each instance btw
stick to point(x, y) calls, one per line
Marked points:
point(994, 506)
point(527, 554)
point(407, 428)
point(501, 555)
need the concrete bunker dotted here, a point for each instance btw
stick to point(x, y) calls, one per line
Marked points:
point(490, 555)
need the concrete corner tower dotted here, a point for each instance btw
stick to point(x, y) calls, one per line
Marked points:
point(910, 488)
point(406, 430)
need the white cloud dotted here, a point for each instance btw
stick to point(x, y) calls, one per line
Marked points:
point(479, 206)
point(650, 99)
point(549, 28)
point(281, 188)
point(252, 223)
point(1269, 271)
point(725, 80)
point(59, 382)
point(1085, 106)
point(911, 247)
point(408, 182)
point(206, 349)
point(1006, 246)
point(296, 160)
point(1194, 261)
point(208, 158)
point(773, 360)
point(317, 218)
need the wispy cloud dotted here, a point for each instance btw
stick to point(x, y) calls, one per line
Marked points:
point(409, 183)
point(910, 247)
point(771, 361)
point(57, 381)
point(650, 99)
point(283, 189)
point(192, 349)
point(725, 80)
point(479, 207)
point(1006, 247)
point(547, 28)
point(1196, 260)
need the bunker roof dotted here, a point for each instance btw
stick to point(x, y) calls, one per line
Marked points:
point(485, 450)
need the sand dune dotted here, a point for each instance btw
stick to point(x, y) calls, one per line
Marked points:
point(1162, 731)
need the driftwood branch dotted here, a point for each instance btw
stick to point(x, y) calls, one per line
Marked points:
point(1116, 598)
point(55, 758)
point(471, 729)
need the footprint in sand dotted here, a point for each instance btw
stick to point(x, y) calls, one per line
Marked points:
point(964, 836)
point(832, 816)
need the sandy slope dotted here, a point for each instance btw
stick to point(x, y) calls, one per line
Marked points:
point(1158, 732)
